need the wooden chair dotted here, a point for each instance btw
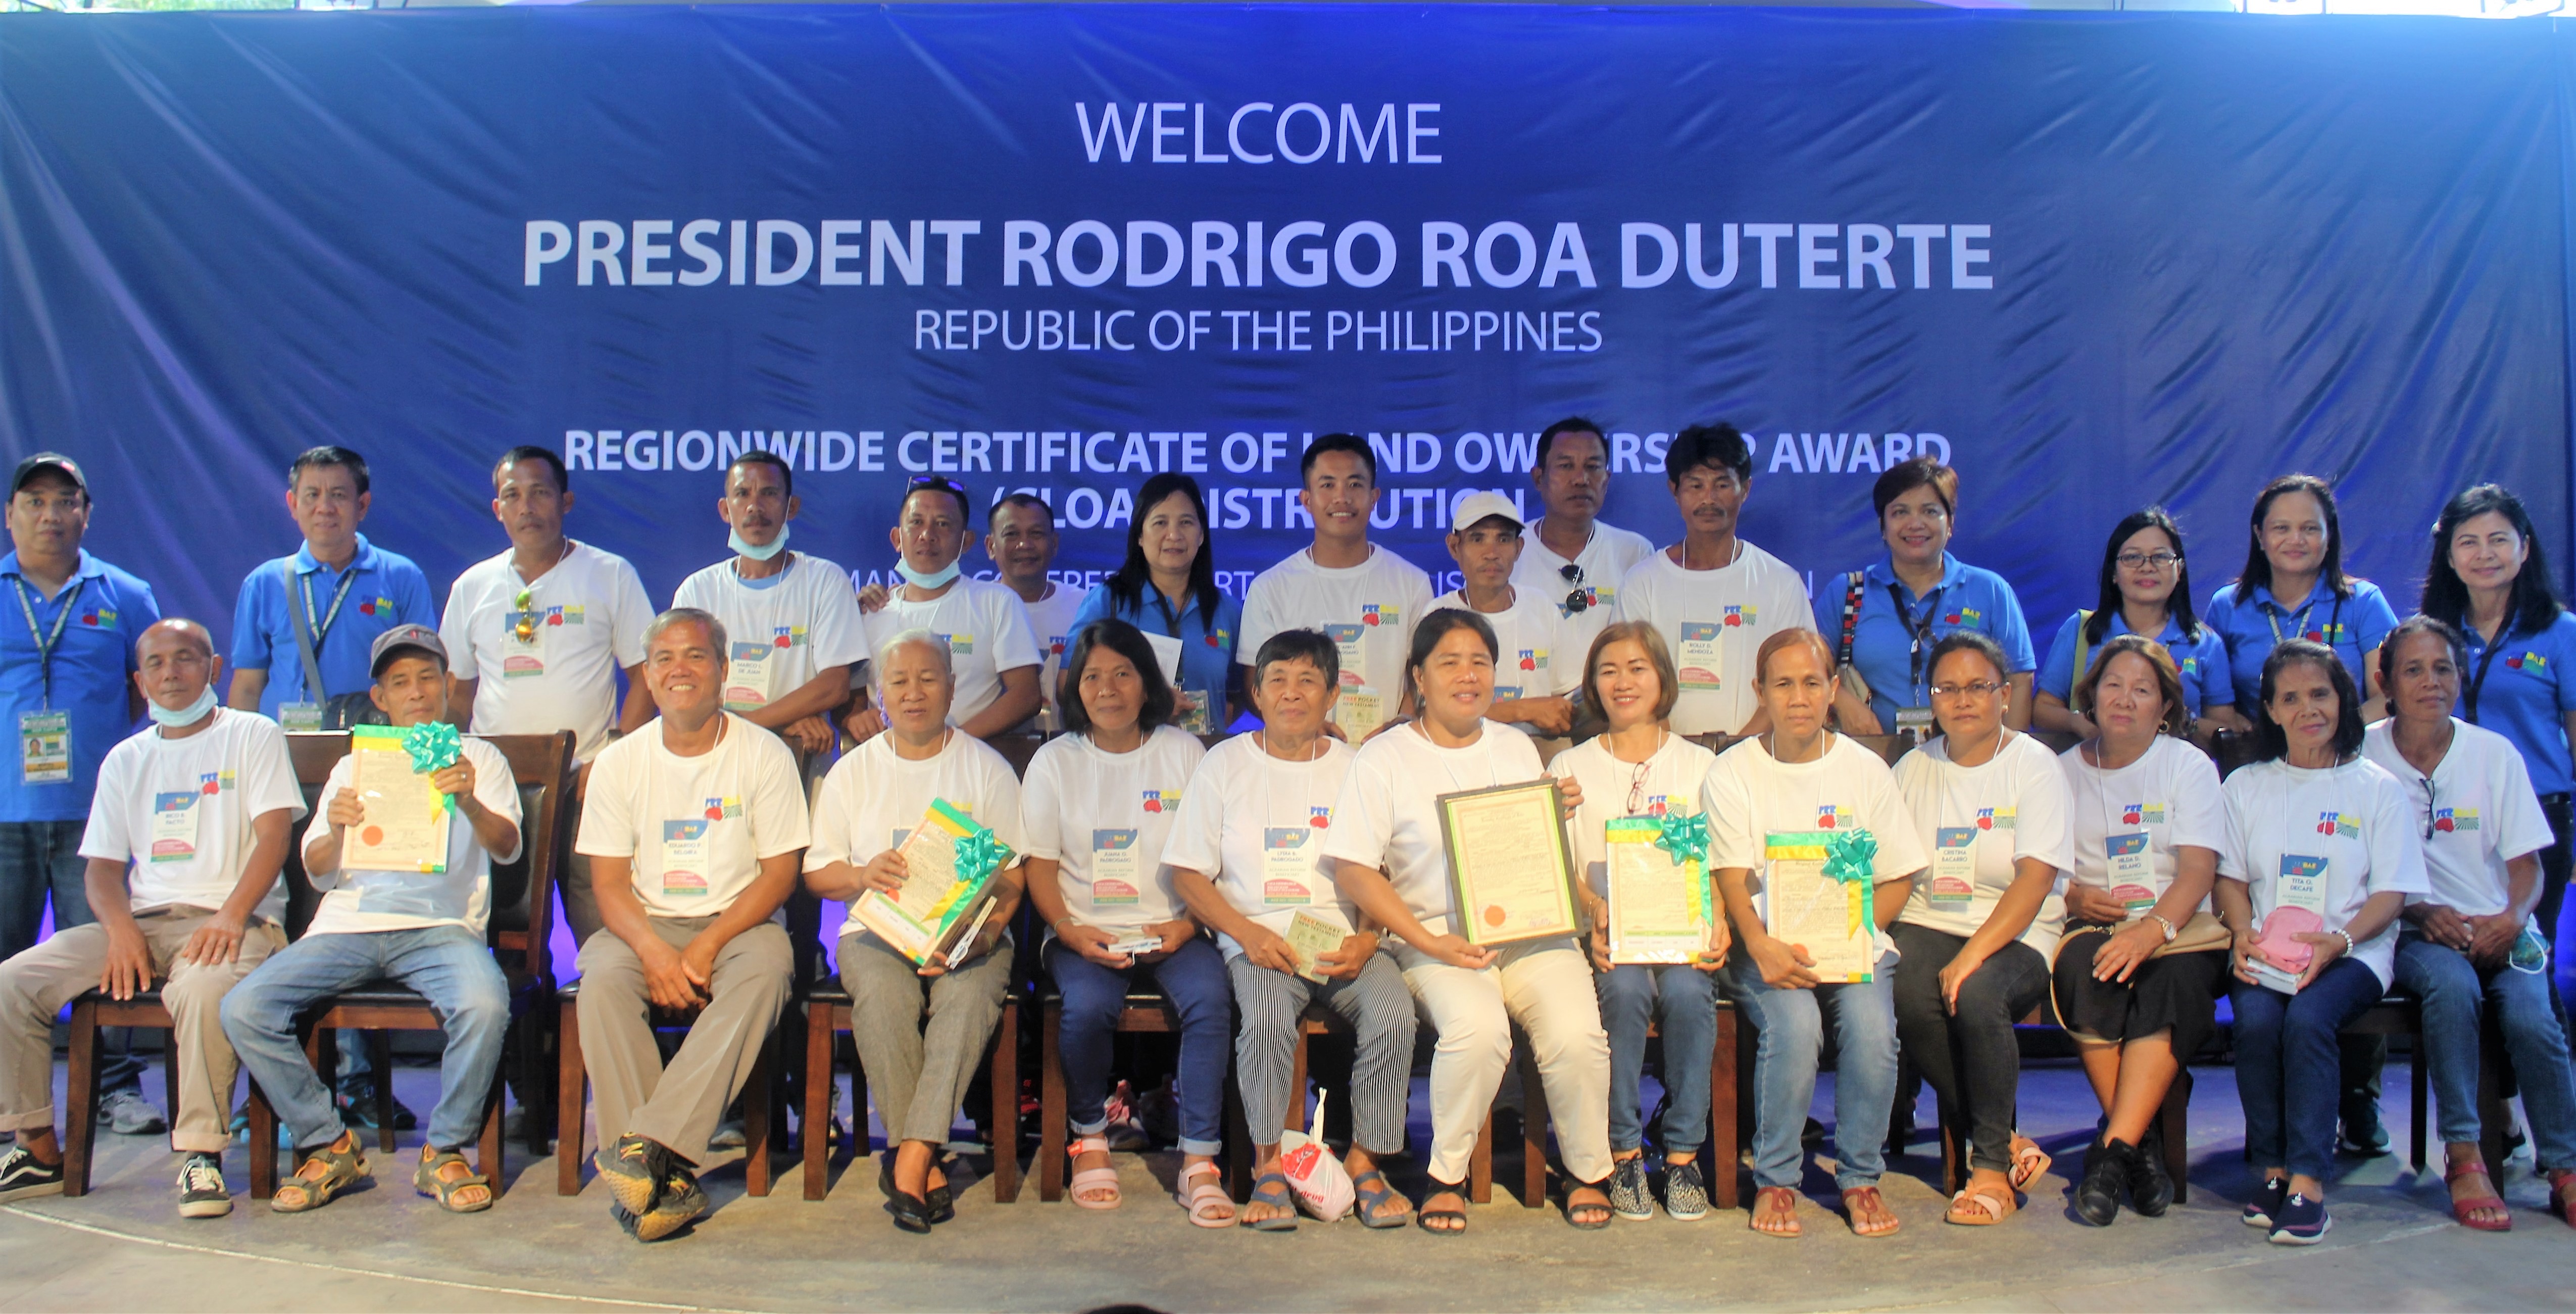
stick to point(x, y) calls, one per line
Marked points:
point(827, 1015)
point(1730, 1095)
point(80, 1136)
point(572, 1095)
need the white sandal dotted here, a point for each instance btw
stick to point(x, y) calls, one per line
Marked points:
point(1093, 1179)
point(1206, 1197)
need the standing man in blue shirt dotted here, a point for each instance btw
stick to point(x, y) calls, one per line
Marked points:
point(65, 664)
point(311, 616)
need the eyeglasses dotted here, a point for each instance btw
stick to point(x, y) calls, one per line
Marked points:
point(2156, 561)
point(1973, 689)
point(2429, 801)
point(1578, 600)
point(1637, 788)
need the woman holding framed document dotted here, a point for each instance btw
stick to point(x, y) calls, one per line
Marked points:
point(1448, 834)
point(2321, 852)
point(1983, 919)
point(1098, 805)
point(1807, 834)
point(2131, 987)
point(1641, 846)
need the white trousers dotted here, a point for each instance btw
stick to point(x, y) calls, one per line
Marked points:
point(1546, 986)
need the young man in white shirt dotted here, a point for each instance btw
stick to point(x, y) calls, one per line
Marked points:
point(1019, 534)
point(987, 630)
point(540, 632)
point(792, 616)
point(696, 828)
point(422, 929)
point(1365, 598)
point(1713, 596)
point(1573, 558)
point(1534, 671)
point(198, 809)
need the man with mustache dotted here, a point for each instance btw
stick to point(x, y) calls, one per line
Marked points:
point(1364, 598)
point(983, 623)
point(791, 616)
point(1573, 559)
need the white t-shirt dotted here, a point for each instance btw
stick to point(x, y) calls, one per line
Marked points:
point(1386, 816)
point(987, 632)
point(1255, 826)
point(2012, 807)
point(1751, 796)
point(697, 827)
point(1051, 623)
point(1714, 621)
point(1529, 659)
point(1669, 783)
point(180, 810)
point(1105, 818)
point(783, 635)
point(873, 799)
point(590, 613)
point(2484, 814)
point(2169, 795)
point(356, 902)
point(2355, 817)
point(1369, 609)
point(1606, 561)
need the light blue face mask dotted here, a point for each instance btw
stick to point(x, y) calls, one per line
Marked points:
point(185, 716)
point(922, 581)
point(734, 540)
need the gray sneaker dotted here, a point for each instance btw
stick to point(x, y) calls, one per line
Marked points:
point(1684, 1197)
point(1630, 1196)
point(202, 1193)
point(127, 1113)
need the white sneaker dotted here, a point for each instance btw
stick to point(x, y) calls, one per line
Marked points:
point(127, 1113)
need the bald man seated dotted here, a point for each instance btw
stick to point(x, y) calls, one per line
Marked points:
point(186, 834)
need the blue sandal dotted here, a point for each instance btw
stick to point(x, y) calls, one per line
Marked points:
point(1372, 1197)
point(1272, 1189)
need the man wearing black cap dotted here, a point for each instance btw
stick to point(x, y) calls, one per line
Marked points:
point(424, 930)
point(64, 663)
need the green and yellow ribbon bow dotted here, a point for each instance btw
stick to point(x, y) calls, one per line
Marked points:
point(1849, 855)
point(434, 746)
point(1684, 837)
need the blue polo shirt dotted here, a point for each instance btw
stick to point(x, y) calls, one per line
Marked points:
point(2529, 689)
point(1967, 598)
point(91, 663)
point(2203, 660)
point(1207, 642)
point(385, 590)
point(2352, 626)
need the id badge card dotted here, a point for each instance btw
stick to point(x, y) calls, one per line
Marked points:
point(1350, 640)
point(1954, 869)
point(297, 718)
point(523, 645)
point(685, 850)
point(45, 748)
point(2133, 877)
point(1702, 659)
point(1193, 705)
point(1115, 879)
point(747, 676)
point(1914, 721)
point(1287, 867)
point(2302, 883)
point(174, 825)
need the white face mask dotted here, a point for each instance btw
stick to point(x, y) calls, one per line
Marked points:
point(734, 540)
point(185, 716)
point(921, 581)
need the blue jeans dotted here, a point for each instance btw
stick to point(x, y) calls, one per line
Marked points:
point(1630, 994)
point(1784, 1070)
point(2452, 990)
point(40, 859)
point(1195, 981)
point(448, 965)
point(2289, 1070)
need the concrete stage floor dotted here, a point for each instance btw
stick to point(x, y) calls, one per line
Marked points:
point(2393, 1246)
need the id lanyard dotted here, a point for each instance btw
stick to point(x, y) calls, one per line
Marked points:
point(1917, 632)
point(2334, 621)
point(340, 595)
point(2478, 681)
point(46, 643)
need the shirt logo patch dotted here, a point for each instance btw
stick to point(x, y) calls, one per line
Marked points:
point(2454, 820)
point(960, 644)
point(215, 782)
point(2531, 662)
point(1996, 818)
point(375, 606)
point(99, 619)
point(1968, 616)
point(1828, 816)
point(2142, 814)
point(1162, 800)
point(1533, 658)
point(1055, 645)
point(1658, 804)
point(1374, 613)
point(2338, 825)
point(1218, 638)
point(788, 636)
point(1320, 818)
point(720, 809)
point(1737, 617)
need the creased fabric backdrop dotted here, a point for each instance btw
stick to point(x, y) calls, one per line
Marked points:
point(2096, 261)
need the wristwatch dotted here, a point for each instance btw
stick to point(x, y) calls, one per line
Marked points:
point(2170, 929)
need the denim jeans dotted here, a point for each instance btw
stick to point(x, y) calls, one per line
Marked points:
point(2453, 990)
point(40, 859)
point(450, 967)
point(1631, 994)
point(1195, 981)
point(2288, 1069)
point(1784, 1070)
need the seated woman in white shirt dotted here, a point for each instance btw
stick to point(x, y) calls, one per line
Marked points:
point(1247, 857)
point(2139, 786)
point(917, 1067)
point(1640, 768)
point(2322, 850)
point(1977, 932)
point(1790, 791)
point(2469, 946)
point(1098, 806)
point(1389, 859)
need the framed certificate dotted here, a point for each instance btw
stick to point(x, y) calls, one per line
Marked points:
point(406, 821)
point(1659, 907)
point(1832, 920)
point(1511, 872)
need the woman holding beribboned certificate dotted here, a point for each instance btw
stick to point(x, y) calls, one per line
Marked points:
point(1812, 844)
point(1641, 847)
point(1463, 953)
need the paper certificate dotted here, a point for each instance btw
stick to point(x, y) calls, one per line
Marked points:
point(1832, 920)
point(1308, 936)
point(1511, 874)
point(935, 906)
point(1659, 908)
point(407, 820)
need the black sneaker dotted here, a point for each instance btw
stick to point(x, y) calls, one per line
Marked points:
point(22, 1174)
point(2107, 1167)
point(1685, 1197)
point(1630, 1196)
point(358, 1111)
point(634, 1169)
point(2151, 1188)
point(2301, 1222)
point(202, 1193)
point(2266, 1204)
point(681, 1202)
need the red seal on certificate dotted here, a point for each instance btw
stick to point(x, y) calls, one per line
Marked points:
point(1494, 915)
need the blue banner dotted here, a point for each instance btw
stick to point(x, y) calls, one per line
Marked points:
point(2093, 261)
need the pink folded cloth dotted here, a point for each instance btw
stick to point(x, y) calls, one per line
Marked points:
point(2275, 944)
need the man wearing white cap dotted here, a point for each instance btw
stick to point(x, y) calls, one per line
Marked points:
point(1534, 670)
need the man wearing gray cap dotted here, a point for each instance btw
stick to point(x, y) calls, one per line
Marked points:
point(424, 930)
point(1536, 667)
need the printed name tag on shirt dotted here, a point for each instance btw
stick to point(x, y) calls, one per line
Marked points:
point(174, 825)
point(747, 676)
point(684, 858)
point(1114, 868)
point(2302, 883)
point(1287, 866)
point(523, 645)
point(1702, 658)
point(45, 748)
point(1348, 638)
point(2133, 879)
point(1954, 868)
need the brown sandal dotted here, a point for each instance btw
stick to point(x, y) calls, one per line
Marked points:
point(1861, 1199)
point(1982, 1206)
point(2463, 1207)
point(1786, 1200)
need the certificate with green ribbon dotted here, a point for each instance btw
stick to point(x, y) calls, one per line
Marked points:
point(949, 860)
point(407, 820)
point(1817, 890)
point(1658, 888)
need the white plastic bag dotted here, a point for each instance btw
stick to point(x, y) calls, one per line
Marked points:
point(1318, 1180)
